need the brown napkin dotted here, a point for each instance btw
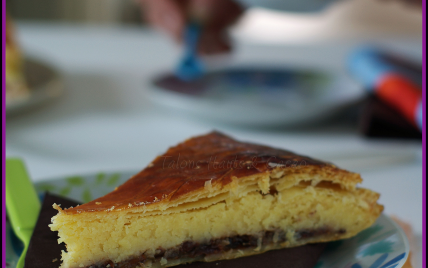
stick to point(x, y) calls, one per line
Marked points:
point(45, 252)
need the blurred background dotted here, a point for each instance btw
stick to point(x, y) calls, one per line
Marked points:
point(344, 18)
point(101, 12)
point(89, 90)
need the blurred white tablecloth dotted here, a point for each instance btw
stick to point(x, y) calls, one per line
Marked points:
point(104, 121)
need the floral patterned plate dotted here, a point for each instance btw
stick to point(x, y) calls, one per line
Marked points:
point(383, 245)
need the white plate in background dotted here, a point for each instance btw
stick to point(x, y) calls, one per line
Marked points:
point(44, 83)
point(259, 96)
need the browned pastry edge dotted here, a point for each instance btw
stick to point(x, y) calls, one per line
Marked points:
point(185, 169)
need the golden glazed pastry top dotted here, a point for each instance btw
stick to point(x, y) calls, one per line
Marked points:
point(209, 163)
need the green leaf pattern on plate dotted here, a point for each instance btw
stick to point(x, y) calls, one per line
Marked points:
point(100, 178)
point(84, 188)
point(383, 246)
point(46, 187)
point(65, 191)
point(366, 234)
point(86, 195)
point(112, 181)
point(365, 248)
point(75, 181)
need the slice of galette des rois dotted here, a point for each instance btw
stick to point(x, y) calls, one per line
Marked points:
point(211, 198)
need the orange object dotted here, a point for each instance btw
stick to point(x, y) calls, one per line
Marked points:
point(401, 94)
point(407, 228)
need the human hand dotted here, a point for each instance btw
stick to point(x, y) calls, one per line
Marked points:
point(172, 16)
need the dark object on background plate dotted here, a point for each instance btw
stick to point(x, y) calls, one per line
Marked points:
point(45, 252)
point(379, 120)
point(258, 96)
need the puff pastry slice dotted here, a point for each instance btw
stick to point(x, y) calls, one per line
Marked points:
point(212, 197)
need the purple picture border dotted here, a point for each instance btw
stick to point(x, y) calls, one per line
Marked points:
point(3, 114)
point(4, 136)
point(424, 135)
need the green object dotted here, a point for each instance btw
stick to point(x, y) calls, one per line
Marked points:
point(22, 203)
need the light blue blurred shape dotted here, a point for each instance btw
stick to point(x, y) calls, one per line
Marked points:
point(367, 66)
point(190, 67)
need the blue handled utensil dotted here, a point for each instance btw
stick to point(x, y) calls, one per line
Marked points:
point(190, 67)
